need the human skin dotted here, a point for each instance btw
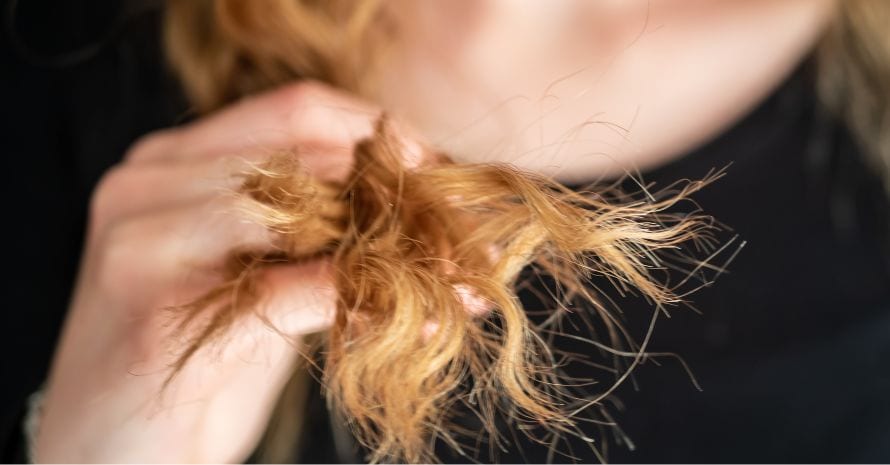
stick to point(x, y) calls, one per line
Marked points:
point(156, 220)
point(583, 89)
point(165, 212)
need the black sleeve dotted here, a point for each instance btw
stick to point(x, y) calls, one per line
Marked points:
point(14, 446)
point(68, 116)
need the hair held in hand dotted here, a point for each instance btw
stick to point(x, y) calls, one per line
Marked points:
point(426, 259)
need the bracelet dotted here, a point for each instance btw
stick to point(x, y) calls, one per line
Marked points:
point(32, 423)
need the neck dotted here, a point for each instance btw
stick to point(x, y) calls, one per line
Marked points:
point(579, 90)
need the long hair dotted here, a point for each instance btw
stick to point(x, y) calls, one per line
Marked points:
point(408, 244)
point(854, 77)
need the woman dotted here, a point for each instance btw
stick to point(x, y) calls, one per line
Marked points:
point(450, 71)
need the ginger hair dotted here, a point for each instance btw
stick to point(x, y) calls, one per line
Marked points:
point(407, 245)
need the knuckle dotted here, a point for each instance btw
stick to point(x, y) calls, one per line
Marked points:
point(107, 193)
point(119, 257)
point(301, 93)
point(151, 145)
point(296, 97)
point(303, 105)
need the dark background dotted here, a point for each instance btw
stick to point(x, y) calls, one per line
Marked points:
point(792, 348)
point(79, 84)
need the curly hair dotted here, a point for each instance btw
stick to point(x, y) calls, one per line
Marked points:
point(410, 245)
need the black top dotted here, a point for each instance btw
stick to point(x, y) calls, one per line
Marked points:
point(792, 345)
point(791, 348)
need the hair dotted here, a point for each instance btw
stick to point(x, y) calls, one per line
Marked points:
point(408, 245)
point(854, 77)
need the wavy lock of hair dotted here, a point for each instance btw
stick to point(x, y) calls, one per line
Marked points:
point(410, 246)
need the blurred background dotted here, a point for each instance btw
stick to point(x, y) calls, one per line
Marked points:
point(79, 84)
point(784, 379)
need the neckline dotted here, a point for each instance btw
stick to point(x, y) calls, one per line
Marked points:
point(750, 133)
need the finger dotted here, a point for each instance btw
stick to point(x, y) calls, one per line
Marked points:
point(171, 247)
point(127, 190)
point(130, 189)
point(300, 298)
point(294, 300)
point(294, 116)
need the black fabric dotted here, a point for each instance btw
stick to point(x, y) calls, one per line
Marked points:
point(792, 346)
point(64, 123)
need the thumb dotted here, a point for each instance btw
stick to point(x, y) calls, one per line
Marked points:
point(301, 298)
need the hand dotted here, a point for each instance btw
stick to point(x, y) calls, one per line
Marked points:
point(158, 221)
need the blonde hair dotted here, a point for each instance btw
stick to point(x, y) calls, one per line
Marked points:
point(408, 244)
point(854, 76)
